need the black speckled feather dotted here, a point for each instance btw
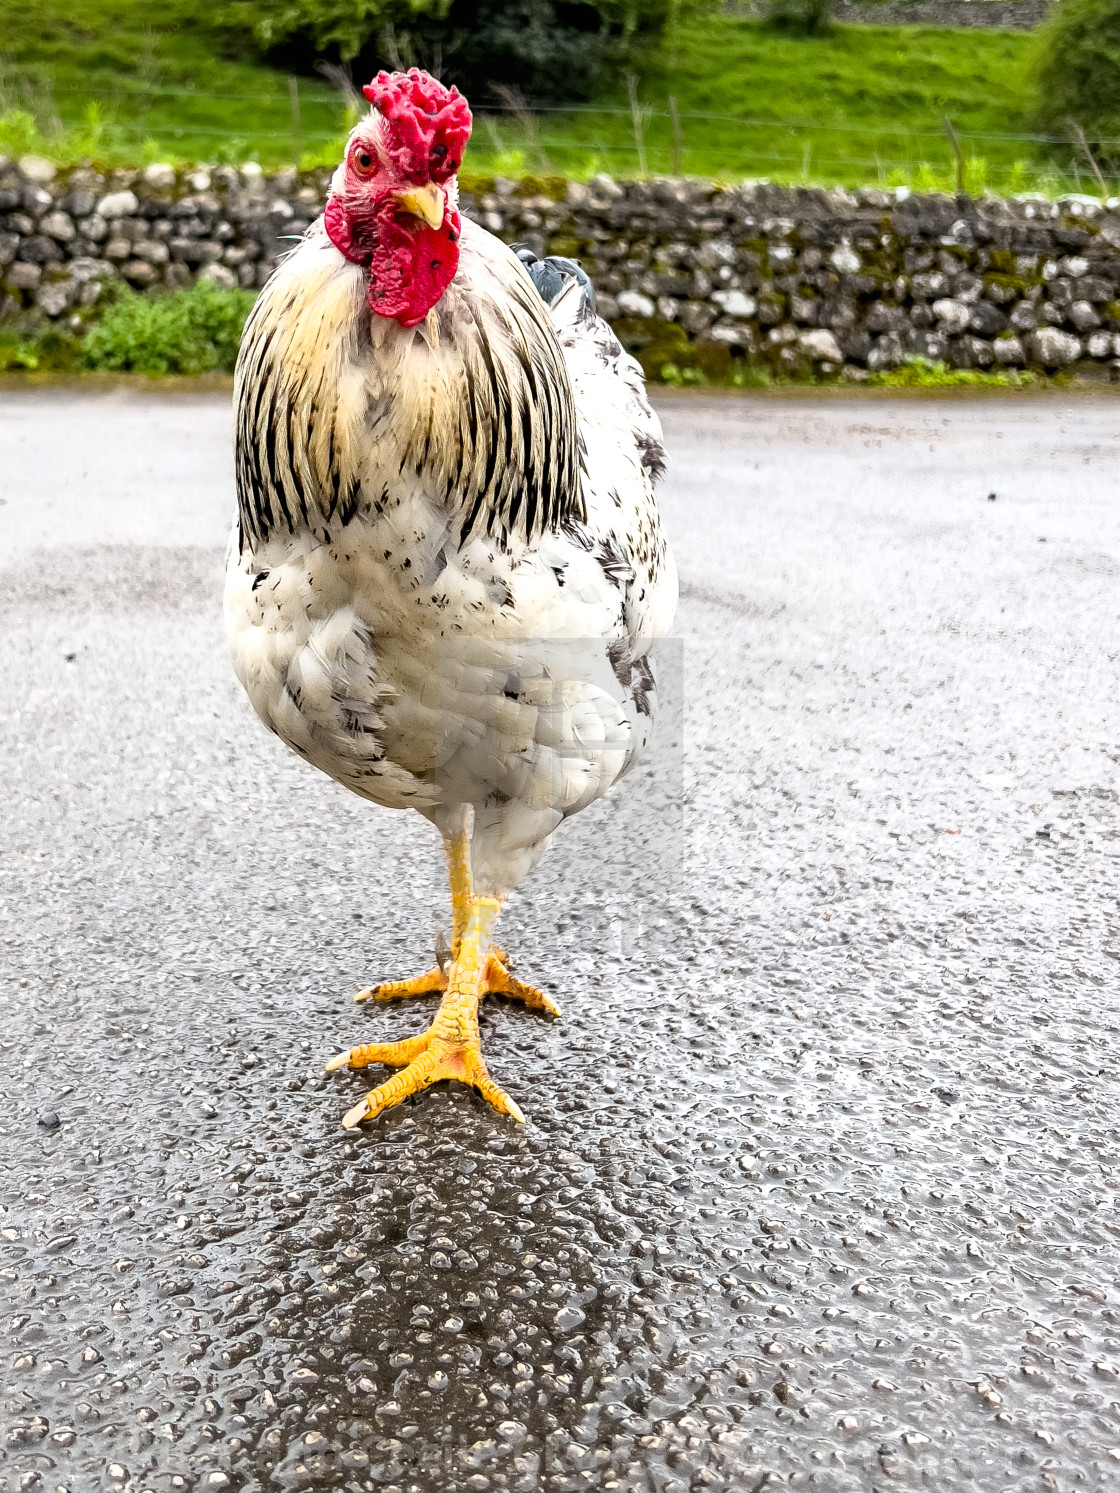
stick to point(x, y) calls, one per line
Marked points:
point(477, 406)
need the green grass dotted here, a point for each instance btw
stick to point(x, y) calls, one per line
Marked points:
point(920, 373)
point(915, 373)
point(863, 104)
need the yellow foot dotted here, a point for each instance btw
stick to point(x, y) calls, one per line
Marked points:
point(450, 1047)
point(427, 1058)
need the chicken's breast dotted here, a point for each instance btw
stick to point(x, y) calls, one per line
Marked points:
point(448, 569)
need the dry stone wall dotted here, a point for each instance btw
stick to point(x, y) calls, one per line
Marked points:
point(691, 274)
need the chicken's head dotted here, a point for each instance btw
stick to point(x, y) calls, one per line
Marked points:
point(392, 206)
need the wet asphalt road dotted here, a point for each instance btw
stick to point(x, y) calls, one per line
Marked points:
point(819, 1185)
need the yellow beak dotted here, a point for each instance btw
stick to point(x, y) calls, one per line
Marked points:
point(423, 202)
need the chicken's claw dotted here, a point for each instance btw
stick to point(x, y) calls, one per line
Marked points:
point(480, 1078)
point(450, 1047)
point(392, 1054)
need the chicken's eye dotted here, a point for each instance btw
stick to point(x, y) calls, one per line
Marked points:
point(362, 162)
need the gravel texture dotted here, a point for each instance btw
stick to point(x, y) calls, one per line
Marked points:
point(819, 1184)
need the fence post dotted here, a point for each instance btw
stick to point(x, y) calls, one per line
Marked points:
point(678, 137)
point(951, 136)
point(1087, 151)
point(636, 116)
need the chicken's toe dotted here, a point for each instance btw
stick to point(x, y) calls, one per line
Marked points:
point(499, 981)
point(432, 981)
point(419, 1075)
point(478, 1076)
point(393, 1054)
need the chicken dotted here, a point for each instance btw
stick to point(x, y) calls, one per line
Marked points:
point(448, 571)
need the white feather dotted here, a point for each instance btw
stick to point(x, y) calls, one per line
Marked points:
point(428, 673)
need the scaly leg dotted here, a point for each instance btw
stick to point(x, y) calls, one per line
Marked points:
point(450, 1048)
point(497, 979)
point(457, 848)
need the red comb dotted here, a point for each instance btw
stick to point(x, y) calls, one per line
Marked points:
point(422, 116)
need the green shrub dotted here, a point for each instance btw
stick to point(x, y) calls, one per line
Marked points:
point(19, 133)
point(679, 378)
point(17, 355)
point(188, 331)
point(752, 376)
point(1076, 68)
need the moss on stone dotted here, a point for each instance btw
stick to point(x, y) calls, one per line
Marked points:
point(656, 343)
point(715, 361)
point(475, 186)
point(555, 187)
point(668, 355)
point(1020, 284)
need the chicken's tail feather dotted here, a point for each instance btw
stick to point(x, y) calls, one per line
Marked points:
point(554, 275)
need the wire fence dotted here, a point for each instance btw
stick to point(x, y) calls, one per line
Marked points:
point(304, 120)
point(313, 95)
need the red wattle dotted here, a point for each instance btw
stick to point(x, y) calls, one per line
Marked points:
point(411, 266)
point(340, 231)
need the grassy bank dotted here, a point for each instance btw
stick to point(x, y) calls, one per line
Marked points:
point(127, 82)
point(863, 104)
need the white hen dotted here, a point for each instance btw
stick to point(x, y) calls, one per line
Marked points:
point(448, 569)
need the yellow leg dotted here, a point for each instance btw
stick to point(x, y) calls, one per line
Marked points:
point(457, 849)
point(497, 979)
point(450, 1048)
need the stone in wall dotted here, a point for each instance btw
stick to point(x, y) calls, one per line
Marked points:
point(799, 279)
point(1013, 15)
